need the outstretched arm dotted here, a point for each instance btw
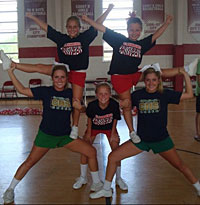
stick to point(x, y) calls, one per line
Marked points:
point(188, 86)
point(162, 29)
point(98, 23)
point(20, 88)
point(42, 24)
point(102, 18)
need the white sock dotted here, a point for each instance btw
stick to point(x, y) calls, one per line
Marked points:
point(118, 172)
point(197, 186)
point(13, 183)
point(107, 185)
point(186, 67)
point(84, 170)
point(95, 177)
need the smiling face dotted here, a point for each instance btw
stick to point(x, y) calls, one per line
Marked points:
point(59, 80)
point(151, 82)
point(73, 28)
point(134, 31)
point(103, 94)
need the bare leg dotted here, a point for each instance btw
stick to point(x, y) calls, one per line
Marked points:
point(173, 158)
point(86, 149)
point(36, 154)
point(114, 144)
point(77, 94)
point(125, 99)
point(84, 158)
point(33, 68)
point(125, 150)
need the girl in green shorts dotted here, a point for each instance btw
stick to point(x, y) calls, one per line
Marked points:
point(55, 127)
point(151, 102)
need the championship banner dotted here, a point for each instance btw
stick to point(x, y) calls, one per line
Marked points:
point(80, 7)
point(194, 16)
point(37, 8)
point(152, 14)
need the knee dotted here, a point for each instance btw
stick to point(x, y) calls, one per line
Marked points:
point(112, 158)
point(92, 152)
point(125, 104)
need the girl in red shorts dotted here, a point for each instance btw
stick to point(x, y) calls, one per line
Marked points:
point(103, 114)
point(73, 50)
point(127, 56)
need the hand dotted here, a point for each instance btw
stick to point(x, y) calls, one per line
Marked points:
point(85, 18)
point(77, 104)
point(124, 103)
point(29, 15)
point(110, 7)
point(169, 19)
point(12, 68)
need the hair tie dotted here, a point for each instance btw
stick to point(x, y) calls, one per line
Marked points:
point(132, 14)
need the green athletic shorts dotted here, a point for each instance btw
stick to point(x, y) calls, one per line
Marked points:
point(51, 141)
point(156, 147)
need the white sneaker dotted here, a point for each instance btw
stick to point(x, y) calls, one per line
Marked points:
point(6, 62)
point(134, 137)
point(8, 196)
point(74, 132)
point(101, 193)
point(79, 182)
point(121, 183)
point(193, 67)
point(96, 186)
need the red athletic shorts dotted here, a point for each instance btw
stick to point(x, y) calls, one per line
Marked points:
point(106, 132)
point(77, 78)
point(122, 83)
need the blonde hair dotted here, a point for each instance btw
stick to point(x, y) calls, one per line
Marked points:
point(103, 84)
point(157, 73)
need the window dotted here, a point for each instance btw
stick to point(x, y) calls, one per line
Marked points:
point(116, 21)
point(9, 28)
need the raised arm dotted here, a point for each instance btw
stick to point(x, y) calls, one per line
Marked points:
point(42, 24)
point(162, 29)
point(188, 87)
point(96, 25)
point(20, 88)
point(102, 18)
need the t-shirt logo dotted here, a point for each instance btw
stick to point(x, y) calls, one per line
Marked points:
point(72, 49)
point(149, 106)
point(60, 103)
point(103, 119)
point(130, 49)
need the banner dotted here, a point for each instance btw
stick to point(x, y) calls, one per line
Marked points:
point(37, 8)
point(194, 16)
point(80, 7)
point(152, 15)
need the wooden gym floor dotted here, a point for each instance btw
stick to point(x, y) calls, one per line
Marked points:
point(151, 180)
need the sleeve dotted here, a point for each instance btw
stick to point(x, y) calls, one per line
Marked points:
point(116, 114)
point(38, 92)
point(89, 111)
point(112, 37)
point(54, 35)
point(90, 34)
point(147, 44)
point(173, 97)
